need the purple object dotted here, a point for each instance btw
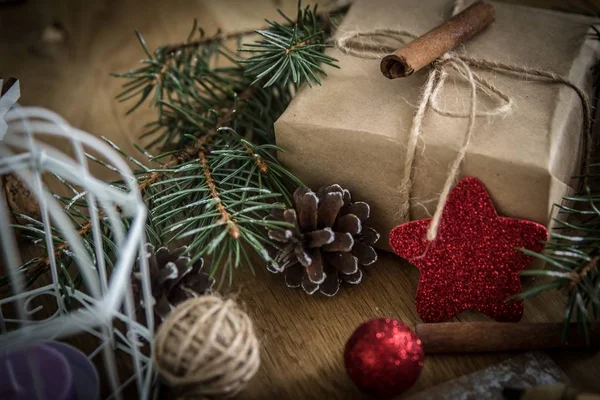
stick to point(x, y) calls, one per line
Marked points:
point(36, 372)
point(85, 375)
point(60, 371)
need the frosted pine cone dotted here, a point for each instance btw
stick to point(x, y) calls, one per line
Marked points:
point(328, 243)
point(172, 279)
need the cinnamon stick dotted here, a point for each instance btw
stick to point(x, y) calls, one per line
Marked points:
point(479, 337)
point(429, 47)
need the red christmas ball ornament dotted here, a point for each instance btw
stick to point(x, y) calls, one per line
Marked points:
point(383, 357)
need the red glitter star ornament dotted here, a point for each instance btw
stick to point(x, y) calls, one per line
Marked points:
point(474, 262)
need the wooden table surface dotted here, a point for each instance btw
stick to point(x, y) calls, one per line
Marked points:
point(302, 337)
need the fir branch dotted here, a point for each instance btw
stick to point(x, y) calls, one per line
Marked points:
point(573, 251)
point(572, 256)
point(186, 154)
point(76, 208)
point(290, 51)
point(199, 144)
point(42, 264)
point(263, 167)
point(220, 36)
point(221, 175)
point(226, 218)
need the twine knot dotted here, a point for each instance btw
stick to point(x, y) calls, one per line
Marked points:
point(365, 45)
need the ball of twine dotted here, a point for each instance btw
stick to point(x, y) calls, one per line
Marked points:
point(206, 348)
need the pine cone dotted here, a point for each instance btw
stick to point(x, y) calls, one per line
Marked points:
point(19, 199)
point(329, 242)
point(172, 279)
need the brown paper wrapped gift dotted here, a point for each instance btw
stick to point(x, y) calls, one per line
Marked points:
point(353, 130)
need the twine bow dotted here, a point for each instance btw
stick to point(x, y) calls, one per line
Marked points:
point(350, 43)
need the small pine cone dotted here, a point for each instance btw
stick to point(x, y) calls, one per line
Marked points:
point(329, 242)
point(172, 280)
point(19, 199)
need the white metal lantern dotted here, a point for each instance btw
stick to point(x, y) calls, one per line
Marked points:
point(104, 305)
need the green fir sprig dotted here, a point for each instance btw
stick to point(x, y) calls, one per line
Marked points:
point(572, 255)
point(573, 251)
point(293, 50)
point(217, 175)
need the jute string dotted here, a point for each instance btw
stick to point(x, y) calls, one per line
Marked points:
point(349, 43)
point(206, 348)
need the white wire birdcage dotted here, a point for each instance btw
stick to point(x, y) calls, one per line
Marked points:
point(104, 305)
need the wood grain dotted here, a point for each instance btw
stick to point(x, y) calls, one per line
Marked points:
point(302, 336)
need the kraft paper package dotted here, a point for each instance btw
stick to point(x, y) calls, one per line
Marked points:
point(353, 129)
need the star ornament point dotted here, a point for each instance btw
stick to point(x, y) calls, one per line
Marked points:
point(474, 262)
